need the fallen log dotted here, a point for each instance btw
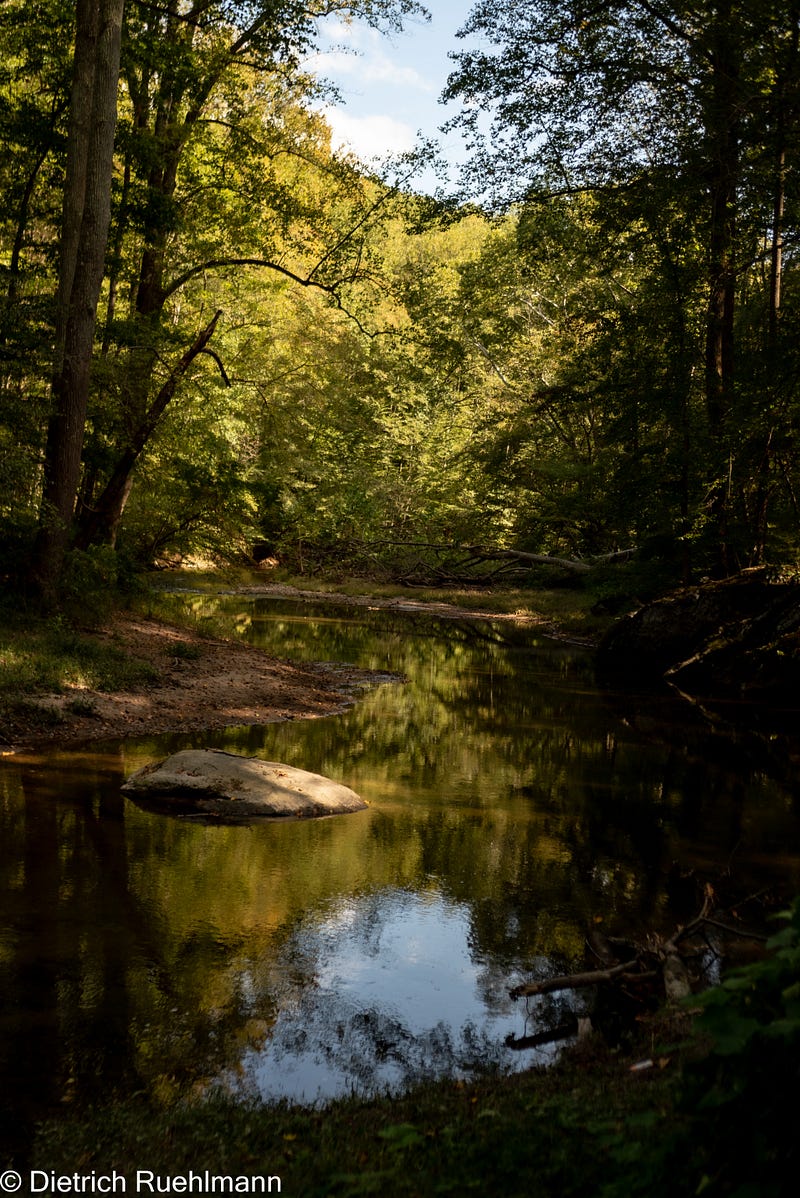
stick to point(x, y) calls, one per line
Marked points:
point(656, 957)
point(575, 981)
point(564, 1031)
point(575, 565)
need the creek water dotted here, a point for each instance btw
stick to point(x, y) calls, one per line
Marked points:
point(513, 805)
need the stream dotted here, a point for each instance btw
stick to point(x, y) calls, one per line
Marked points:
point(513, 806)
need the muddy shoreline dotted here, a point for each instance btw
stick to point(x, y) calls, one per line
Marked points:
point(204, 683)
point(196, 683)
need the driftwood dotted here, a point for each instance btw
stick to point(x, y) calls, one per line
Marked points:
point(576, 981)
point(564, 1031)
point(573, 565)
point(426, 563)
point(656, 957)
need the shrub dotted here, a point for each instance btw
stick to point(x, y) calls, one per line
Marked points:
point(89, 585)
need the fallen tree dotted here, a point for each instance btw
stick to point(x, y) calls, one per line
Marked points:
point(430, 563)
point(739, 637)
point(657, 957)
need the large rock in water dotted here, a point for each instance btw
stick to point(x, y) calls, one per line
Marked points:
point(226, 788)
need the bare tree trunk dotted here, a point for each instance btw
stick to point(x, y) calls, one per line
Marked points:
point(85, 223)
point(785, 120)
point(776, 263)
point(785, 94)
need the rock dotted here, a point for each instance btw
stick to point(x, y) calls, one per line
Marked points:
point(218, 787)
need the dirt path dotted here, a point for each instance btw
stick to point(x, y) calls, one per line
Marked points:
point(197, 683)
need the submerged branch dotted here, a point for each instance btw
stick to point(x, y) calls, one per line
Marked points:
point(576, 981)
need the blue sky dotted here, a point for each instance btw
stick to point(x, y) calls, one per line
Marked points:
point(390, 85)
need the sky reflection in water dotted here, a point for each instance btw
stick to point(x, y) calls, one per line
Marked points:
point(513, 805)
point(399, 994)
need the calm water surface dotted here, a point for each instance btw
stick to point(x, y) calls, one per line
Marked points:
point(512, 806)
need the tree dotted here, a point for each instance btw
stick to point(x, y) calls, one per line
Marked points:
point(689, 104)
point(186, 69)
point(84, 234)
point(216, 104)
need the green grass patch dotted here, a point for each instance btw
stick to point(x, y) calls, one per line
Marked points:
point(186, 651)
point(40, 716)
point(51, 657)
point(714, 1116)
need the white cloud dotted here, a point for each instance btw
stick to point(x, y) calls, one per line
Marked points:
point(357, 51)
point(369, 137)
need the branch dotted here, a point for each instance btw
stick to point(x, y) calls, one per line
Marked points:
point(672, 26)
point(537, 559)
point(575, 981)
point(563, 1032)
point(361, 221)
point(265, 263)
point(218, 361)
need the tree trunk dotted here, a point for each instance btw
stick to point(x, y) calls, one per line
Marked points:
point(722, 130)
point(783, 114)
point(100, 522)
point(785, 120)
point(85, 223)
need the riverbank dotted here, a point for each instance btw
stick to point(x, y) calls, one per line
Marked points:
point(139, 674)
point(592, 1126)
point(602, 1123)
point(554, 1133)
point(136, 675)
point(564, 613)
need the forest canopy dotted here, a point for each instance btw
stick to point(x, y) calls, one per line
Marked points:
point(218, 336)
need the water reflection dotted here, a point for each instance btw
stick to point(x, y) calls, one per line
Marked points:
point(400, 994)
point(512, 806)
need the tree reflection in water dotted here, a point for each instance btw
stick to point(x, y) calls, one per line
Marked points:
point(398, 994)
point(512, 806)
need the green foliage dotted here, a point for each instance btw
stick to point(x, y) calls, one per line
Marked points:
point(89, 585)
point(535, 375)
point(742, 1091)
point(732, 1129)
point(185, 651)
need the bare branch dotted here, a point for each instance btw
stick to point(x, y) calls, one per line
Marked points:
point(211, 353)
point(219, 263)
point(576, 981)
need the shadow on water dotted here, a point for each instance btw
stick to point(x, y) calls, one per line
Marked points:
point(512, 806)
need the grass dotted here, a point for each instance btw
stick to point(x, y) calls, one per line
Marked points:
point(552, 1134)
point(50, 657)
point(704, 1118)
